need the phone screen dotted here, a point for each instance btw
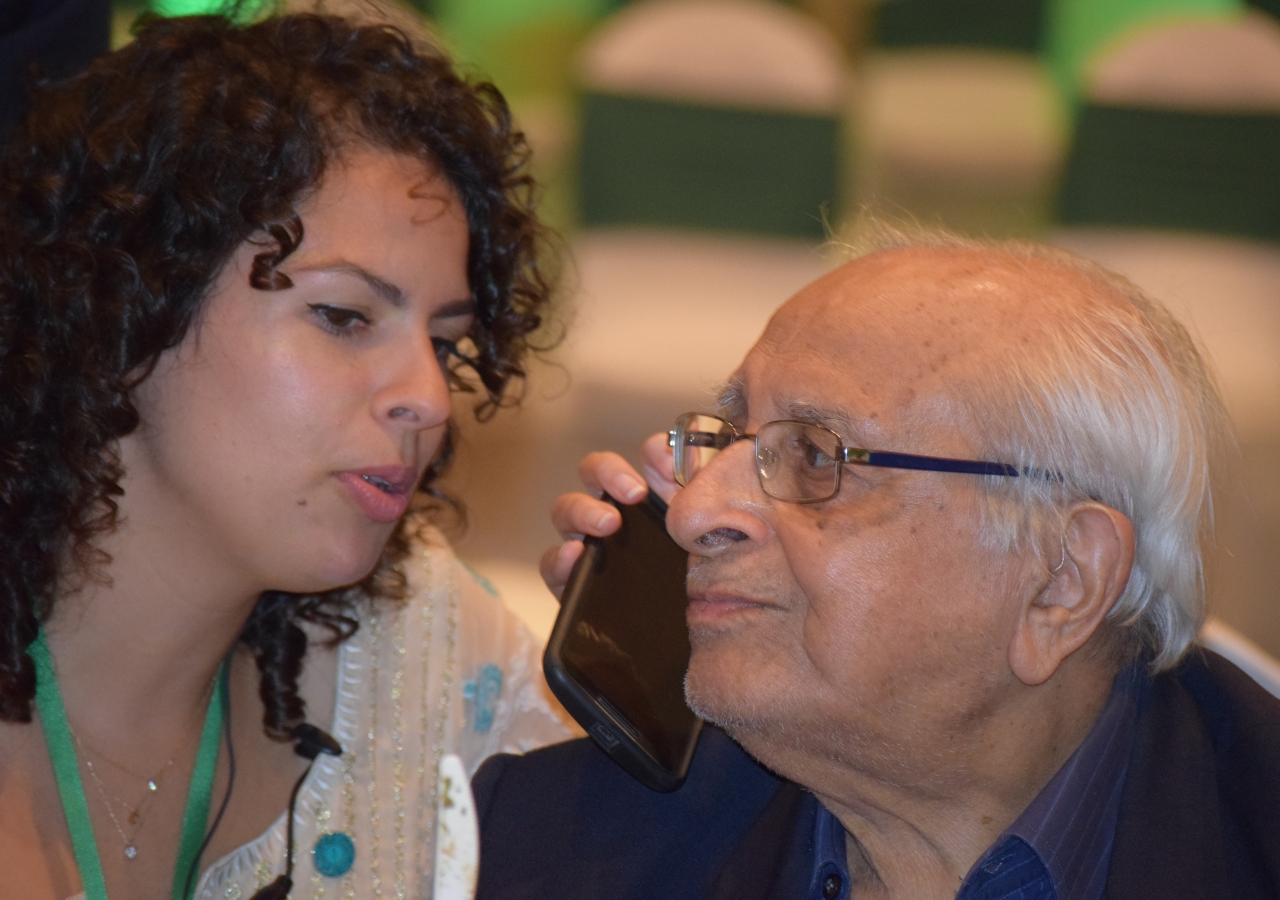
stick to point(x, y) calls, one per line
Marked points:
point(622, 640)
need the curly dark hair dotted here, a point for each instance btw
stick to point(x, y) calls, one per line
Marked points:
point(122, 199)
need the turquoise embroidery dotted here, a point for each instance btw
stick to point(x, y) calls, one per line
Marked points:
point(334, 854)
point(481, 696)
point(481, 580)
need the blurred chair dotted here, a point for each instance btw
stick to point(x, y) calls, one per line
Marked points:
point(718, 114)
point(959, 122)
point(1272, 7)
point(1180, 128)
point(1012, 25)
point(1172, 180)
point(1077, 32)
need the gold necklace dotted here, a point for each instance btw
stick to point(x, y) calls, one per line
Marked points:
point(134, 814)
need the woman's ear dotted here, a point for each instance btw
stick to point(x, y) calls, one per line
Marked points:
point(1097, 555)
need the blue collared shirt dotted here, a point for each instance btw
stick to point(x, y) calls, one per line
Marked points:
point(1059, 848)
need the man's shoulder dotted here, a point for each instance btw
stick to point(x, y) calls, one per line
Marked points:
point(1236, 710)
point(1235, 718)
point(1242, 721)
point(1200, 813)
point(566, 821)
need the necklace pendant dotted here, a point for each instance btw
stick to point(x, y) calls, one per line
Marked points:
point(152, 786)
point(130, 851)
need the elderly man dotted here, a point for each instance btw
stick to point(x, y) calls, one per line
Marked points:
point(959, 663)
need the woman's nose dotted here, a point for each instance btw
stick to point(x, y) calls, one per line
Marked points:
point(415, 392)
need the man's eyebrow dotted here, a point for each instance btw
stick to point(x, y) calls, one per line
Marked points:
point(855, 429)
point(731, 402)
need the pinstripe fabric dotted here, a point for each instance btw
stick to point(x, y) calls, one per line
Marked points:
point(1059, 848)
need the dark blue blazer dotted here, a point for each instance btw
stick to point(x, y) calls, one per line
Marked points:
point(1199, 816)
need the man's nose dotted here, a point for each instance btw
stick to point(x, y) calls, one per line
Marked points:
point(414, 392)
point(722, 505)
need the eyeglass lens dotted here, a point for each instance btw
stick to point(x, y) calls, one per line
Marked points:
point(796, 462)
point(698, 439)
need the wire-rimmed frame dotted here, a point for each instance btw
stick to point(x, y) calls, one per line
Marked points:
point(800, 462)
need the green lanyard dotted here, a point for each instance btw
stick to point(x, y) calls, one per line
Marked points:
point(62, 753)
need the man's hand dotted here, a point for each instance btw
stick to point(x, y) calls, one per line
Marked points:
point(578, 513)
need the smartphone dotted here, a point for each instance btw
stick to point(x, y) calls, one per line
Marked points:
point(620, 647)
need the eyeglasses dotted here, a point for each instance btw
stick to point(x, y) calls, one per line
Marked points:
point(799, 462)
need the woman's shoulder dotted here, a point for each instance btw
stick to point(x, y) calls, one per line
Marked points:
point(450, 599)
point(437, 576)
point(497, 660)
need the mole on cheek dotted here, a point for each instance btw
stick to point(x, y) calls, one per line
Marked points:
point(302, 502)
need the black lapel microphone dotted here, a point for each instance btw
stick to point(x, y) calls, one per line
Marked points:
point(309, 742)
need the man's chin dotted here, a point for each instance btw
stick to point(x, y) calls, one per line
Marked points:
point(729, 703)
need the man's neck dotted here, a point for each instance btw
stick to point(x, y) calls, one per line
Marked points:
point(917, 834)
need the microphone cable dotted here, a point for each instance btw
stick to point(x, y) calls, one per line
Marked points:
point(309, 742)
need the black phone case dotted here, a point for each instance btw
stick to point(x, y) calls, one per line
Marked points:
point(621, 739)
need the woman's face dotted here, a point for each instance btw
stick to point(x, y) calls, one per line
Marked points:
point(282, 439)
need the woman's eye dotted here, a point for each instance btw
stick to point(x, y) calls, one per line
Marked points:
point(338, 319)
point(444, 348)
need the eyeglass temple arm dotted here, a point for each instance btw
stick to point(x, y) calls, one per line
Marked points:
point(932, 463)
point(705, 439)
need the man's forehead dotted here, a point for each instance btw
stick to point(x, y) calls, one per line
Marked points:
point(918, 291)
point(883, 342)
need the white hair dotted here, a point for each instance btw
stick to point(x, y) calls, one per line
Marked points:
point(1113, 397)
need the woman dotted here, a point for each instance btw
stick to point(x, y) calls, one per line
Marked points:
point(241, 270)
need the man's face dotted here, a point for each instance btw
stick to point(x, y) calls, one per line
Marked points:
point(873, 625)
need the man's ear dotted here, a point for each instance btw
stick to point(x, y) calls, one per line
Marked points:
point(1097, 554)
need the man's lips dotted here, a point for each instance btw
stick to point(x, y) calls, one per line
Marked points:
point(712, 607)
point(381, 492)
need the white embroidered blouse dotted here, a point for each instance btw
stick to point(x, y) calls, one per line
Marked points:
point(452, 670)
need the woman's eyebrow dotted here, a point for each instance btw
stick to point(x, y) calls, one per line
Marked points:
point(384, 289)
point(465, 306)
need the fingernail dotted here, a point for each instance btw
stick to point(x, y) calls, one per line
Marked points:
point(634, 489)
point(605, 520)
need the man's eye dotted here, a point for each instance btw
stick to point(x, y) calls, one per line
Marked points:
point(816, 456)
point(338, 319)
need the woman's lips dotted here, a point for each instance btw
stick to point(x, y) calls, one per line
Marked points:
point(381, 492)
